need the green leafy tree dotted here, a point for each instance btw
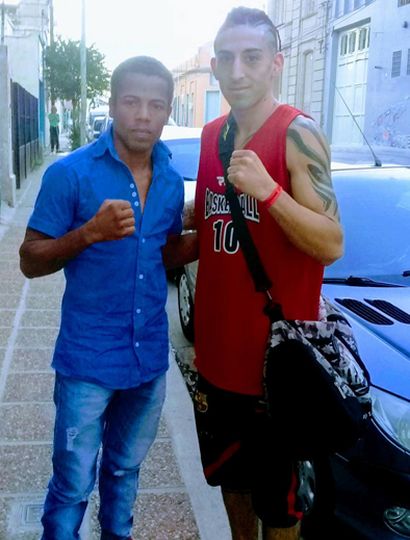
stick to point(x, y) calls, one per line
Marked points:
point(63, 76)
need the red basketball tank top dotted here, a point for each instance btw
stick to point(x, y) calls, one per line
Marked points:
point(231, 329)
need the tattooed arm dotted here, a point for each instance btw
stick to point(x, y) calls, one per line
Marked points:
point(316, 229)
point(309, 214)
point(308, 160)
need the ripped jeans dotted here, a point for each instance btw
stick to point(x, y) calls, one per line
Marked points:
point(125, 423)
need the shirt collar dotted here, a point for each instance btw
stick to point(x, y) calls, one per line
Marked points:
point(105, 143)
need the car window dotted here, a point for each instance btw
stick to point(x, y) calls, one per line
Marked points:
point(185, 156)
point(98, 123)
point(376, 221)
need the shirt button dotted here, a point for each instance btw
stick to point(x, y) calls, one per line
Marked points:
point(132, 185)
point(138, 310)
point(134, 194)
point(143, 240)
point(137, 344)
point(136, 203)
point(141, 276)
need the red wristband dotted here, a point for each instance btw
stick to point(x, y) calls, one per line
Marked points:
point(269, 201)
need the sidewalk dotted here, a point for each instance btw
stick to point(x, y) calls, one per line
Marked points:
point(173, 502)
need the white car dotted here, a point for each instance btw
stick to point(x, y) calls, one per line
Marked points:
point(184, 143)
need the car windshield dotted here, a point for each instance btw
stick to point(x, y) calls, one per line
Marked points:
point(375, 216)
point(185, 156)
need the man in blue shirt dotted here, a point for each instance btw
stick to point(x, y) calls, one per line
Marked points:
point(103, 214)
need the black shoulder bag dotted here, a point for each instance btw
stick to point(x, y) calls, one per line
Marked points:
point(316, 385)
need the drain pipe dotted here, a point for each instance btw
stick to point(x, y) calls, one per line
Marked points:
point(326, 7)
point(2, 22)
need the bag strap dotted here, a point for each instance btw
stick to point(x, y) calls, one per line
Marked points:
point(260, 278)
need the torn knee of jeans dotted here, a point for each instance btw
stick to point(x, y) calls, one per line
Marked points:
point(123, 472)
point(71, 433)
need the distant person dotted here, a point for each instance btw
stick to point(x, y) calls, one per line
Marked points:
point(54, 121)
point(280, 169)
point(103, 214)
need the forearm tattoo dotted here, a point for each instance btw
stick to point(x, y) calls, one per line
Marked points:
point(319, 167)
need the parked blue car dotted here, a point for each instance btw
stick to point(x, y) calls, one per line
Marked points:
point(363, 493)
point(369, 486)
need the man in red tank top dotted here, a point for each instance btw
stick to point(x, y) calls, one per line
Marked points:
point(281, 170)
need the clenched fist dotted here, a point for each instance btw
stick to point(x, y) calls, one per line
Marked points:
point(113, 221)
point(248, 174)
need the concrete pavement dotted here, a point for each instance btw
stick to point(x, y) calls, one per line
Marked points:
point(174, 501)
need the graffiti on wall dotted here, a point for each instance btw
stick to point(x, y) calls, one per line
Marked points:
point(392, 126)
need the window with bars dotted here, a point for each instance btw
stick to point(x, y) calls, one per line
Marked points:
point(401, 3)
point(396, 64)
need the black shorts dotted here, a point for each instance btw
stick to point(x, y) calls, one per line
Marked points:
point(239, 453)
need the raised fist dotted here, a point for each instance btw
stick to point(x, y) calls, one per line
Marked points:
point(113, 221)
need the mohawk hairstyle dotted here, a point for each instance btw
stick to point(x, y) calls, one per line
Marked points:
point(251, 17)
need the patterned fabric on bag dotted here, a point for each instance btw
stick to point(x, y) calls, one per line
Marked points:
point(331, 343)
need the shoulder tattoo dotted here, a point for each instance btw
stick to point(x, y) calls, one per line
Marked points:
point(318, 166)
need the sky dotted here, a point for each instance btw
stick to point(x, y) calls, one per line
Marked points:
point(170, 30)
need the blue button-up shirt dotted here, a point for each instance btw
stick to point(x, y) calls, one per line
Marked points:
point(114, 329)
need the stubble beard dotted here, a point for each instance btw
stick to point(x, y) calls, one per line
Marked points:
point(132, 145)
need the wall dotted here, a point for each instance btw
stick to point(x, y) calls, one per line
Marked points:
point(7, 178)
point(26, 32)
point(193, 80)
point(302, 27)
point(338, 24)
point(24, 58)
point(387, 113)
point(388, 100)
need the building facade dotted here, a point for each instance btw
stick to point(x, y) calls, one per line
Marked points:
point(387, 121)
point(347, 63)
point(25, 35)
point(302, 28)
point(350, 40)
point(198, 98)
point(369, 62)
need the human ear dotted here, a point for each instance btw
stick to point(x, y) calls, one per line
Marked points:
point(278, 62)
